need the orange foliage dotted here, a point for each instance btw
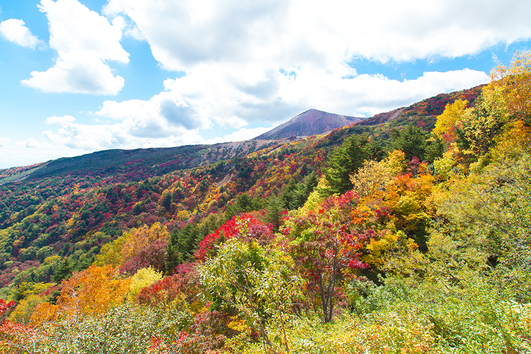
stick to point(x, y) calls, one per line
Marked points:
point(91, 291)
point(16, 337)
point(139, 239)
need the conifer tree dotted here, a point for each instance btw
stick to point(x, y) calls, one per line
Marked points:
point(347, 159)
point(63, 271)
point(411, 140)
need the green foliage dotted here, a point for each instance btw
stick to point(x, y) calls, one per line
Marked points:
point(182, 245)
point(484, 221)
point(434, 149)
point(296, 194)
point(184, 241)
point(63, 271)
point(483, 123)
point(410, 140)
point(257, 282)
point(274, 212)
point(244, 203)
point(123, 329)
point(347, 159)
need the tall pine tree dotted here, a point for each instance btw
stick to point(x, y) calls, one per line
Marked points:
point(347, 159)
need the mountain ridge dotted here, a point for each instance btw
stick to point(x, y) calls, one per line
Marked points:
point(157, 161)
point(308, 123)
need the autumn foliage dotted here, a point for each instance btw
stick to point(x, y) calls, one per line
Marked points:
point(410, 235)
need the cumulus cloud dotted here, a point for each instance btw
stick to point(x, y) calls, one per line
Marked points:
point(4, 142)
point(15, 31)
point(31, 143)
point(59, 120)
point(270, 60)
point(85, 42)
point(239, 135)
point(181, 34)
point(120, 135)
point(162, 121)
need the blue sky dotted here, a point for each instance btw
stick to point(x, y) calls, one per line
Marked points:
point(81, 76)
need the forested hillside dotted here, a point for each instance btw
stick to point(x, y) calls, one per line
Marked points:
point(406, 232)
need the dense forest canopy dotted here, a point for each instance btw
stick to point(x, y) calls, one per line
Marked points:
point(409, 234)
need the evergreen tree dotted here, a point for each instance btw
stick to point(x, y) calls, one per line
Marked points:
point(182, 245)
point(287, 194)
point(243, 204)
point(302, 191)
point(434, 149)
point(274, 211)
point(63, 271)
point(411, 140)
point(347, 159)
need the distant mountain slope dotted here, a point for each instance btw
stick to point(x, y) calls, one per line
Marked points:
point(311, 122)
point(137, 163)
point(143, 163)
point(429, 107)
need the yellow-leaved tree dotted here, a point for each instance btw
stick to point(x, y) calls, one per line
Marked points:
point(130, 244)
point(515, 84)
point(448, 122)
point(91, 291)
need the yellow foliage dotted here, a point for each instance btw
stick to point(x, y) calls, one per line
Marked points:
point(513, 142)
point(52, 259)
point(24, 309)
point(29, 288)
point(237, 324)
point(43, 313)
point(127, 246)
point(377, 248)
point(449, 120)
point(409, 198)
point(515, 83)
point(91, 291)
point(183, 215)
point(371, 177)
point(396, 161)
point(142, 278)
point(111, 253)
point(315, 198)
point(445, 164)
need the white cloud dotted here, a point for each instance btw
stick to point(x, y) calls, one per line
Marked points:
point(113, 136)
point(260, 61)
point(269, 60)
point(163, 115)
point(137, 124)
point(60, 120)
point(76, 73)
point(23, 153)
point(371, 94)
point(182, 34)
point(4, 142)
point(85, 42)
point(31, 143)
point(240, 135)
point(14, 31)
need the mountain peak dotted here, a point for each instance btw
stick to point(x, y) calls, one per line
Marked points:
point(310, 122)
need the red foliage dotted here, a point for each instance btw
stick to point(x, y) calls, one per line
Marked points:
point(184, 284)
point(6, 306)
point(154, 255)
point(208, 332)
point(240, 226)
